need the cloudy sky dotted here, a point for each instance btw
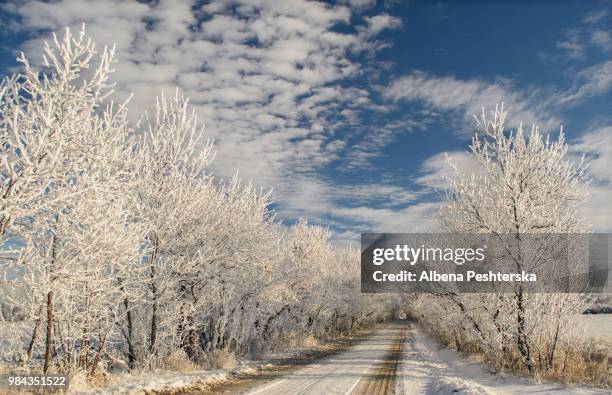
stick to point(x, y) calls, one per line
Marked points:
point(346, 109)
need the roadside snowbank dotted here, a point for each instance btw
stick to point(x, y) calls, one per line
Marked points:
point(132, 385)
point(127, 384)
point(457, 386)
point(172, 381)
point(428, 368)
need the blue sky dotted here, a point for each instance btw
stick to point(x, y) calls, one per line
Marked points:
point(346, 109)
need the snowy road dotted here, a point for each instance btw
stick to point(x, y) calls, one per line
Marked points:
point(399, 359)
point(366, 368)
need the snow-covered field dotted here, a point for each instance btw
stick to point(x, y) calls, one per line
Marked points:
point(596, 326)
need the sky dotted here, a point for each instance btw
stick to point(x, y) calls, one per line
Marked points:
point(347, 110)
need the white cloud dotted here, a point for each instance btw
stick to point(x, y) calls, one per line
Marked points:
point(381, 195)
point(436, 169)
point(359, 5)
point(573, 45)
point(596, 146)
point(533, 105)
point(470, 96)
point(591, 81)
point(419, 217)
point(268, 78)
point(592, 34)
point(265, 76)
point(374, 138)
point(332, 202)
point(602, 39)
point(402, 210)
point(378, 23)
point(596, 16)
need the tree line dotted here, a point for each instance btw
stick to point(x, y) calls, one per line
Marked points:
point(118, 243)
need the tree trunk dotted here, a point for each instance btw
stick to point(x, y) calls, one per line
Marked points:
point(187, 334)
point(154, 292)
point(130, 334)
point(551, 353)
point(49, 340)
point(96, 360)
point(522, 342)
point(34, 334)
point(190, 344)
point(153, 337)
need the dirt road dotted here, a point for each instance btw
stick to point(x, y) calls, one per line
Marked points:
point(368, 367)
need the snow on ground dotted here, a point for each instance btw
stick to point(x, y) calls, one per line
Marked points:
point(428, 368)
point(167, 381)
point(127, 384)
point(425, 368)
point(155, 381)
point(596, 326)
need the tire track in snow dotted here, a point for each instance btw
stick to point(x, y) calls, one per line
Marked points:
point(382, 377)
point(368, 367)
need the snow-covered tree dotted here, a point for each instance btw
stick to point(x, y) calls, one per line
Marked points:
point(44, 113)
point(65, 159)
point(120, 246)
point(525, 185)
